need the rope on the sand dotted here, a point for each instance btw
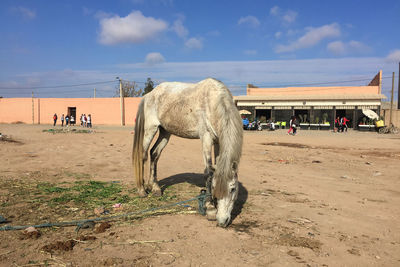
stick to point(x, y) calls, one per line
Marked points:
point(80, 223)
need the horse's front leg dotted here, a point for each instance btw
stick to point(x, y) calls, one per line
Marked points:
point(207, 142)
point(211, 210)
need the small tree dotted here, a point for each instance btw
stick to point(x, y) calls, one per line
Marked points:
point(129, 89)
point(301, 118)
point(324, 117)
point(149, 86)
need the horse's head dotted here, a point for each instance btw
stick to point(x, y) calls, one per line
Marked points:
point(226, 195)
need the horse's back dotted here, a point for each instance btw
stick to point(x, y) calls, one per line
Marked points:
point(186, 109)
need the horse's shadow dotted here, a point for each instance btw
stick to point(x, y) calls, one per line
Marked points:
point(198, 180)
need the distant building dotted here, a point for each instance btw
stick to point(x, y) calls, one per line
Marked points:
point(312, 105)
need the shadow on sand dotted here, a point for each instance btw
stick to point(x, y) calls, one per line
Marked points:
point(198, 180)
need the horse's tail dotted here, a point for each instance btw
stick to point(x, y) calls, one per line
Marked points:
point(137, 151)
point(230, 139)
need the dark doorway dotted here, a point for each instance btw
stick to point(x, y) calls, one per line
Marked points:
point(340, 113)
point(302, 115)
point(263, 114)
point(72, 112)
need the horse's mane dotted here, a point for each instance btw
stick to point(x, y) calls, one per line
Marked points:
point(230, 138)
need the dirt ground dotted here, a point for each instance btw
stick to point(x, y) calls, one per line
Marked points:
point(315, 199)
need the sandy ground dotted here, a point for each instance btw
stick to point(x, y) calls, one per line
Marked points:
point(315, 199)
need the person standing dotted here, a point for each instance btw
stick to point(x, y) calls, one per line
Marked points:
point(290, 125)
point(72, 120)
point(336, 127)
point(66, 120)
point(81, 119)
point(294, 125)
point(84, 120)
point(55, 119)
point(344, 121)
point(62, 120)
point(89, 121)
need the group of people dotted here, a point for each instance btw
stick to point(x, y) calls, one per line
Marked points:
point(247, 125)
point(86, 121)
point(341, 124)
point(69, 120)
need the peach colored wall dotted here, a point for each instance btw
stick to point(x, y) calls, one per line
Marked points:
point(314, 90)
point(16, 109)
point(102, 110)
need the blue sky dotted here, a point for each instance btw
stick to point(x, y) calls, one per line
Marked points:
point(267, 43)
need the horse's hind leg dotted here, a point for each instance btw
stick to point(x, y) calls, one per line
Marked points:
point(155, 153)
point(150, 132)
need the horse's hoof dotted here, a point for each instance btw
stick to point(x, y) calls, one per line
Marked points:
point(211, 214)
point(157, 193)
point(142, 193)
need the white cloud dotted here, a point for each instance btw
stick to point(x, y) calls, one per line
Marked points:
point(134, 28)
point(178, 27)
point(359, 47)
point(287, 17)
point(352, 47)
point(249, 21)
point(250, 52)
point(274, 11)
point(337, 48)
point(154, 58)
point(311, 38)
point(290, 16)
point(394, 56)
point(278, 35)
point(291, 32)
point(25, 12)
point(194, 43)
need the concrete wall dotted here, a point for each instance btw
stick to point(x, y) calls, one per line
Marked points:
point(395, 117)
point(102, 110)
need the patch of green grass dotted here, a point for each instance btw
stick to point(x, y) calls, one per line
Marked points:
point(77, 175)
point(66, 130)
point(50, 188)
point(65, 200)
point(5, 204)
point(84, 192)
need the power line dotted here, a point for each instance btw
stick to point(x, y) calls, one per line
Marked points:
point(66, 86)
point(38, 89)
point(56, 86)
point(308, 84)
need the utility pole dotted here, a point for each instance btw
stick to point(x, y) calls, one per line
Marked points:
point(33, 110)
point(94, 93)
point(38, 110)
point(391, 101)
point(121, 100)
point(398, 90)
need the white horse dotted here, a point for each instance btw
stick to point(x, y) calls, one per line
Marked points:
point(204, 110)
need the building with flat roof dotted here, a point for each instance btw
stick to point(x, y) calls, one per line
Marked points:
point(313, 105)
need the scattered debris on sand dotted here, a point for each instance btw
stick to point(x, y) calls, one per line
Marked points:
point(59, 246)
